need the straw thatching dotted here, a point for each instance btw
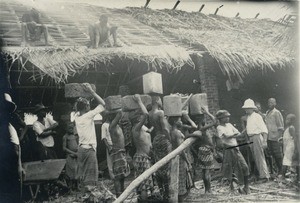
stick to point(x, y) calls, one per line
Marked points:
point(68, 36)
point(152, 36)
point(239, 45)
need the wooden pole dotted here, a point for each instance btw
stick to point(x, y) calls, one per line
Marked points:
point(146, 5)
point(237, 14)
point(257, 15)
point(176, 4)
point(136, 182)
point(201, 8)
point(218, 9)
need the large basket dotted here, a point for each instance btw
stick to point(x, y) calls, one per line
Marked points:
point(43, 170)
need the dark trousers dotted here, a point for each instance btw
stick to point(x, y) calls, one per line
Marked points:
point(275, 150)
point(45, 153)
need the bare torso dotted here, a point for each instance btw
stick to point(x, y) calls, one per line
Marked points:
point(72, 142)
point(177, 138)
point(142, 140)
point(117, 137)
point(155, 117)
point(103, 31)
point(206, 138)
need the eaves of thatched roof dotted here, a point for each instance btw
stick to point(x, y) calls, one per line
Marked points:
point(239, 45)
point(68, 35)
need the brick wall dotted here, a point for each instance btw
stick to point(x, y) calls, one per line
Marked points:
point(207, 68)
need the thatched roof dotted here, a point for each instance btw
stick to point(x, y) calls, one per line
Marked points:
point(68, 36)
point(238, 45)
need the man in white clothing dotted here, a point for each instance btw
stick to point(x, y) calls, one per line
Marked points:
point(257, 132)
point(84, 121)
point(44, 130)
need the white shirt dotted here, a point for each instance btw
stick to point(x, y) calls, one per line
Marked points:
point(228, 130)
point(39, 128)
point(13, 135)
point(86, 128)
point(105, 133)
point(255, 124)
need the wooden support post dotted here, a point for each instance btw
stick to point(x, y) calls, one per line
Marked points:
point(218, 9)
point(147, 3)
point(176, 4)
point(257, 15)
point(136, 182)
point(174, 180)
point(201, 8)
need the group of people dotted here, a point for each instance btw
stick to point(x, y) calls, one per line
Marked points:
point(154, 135)
point(100, 32)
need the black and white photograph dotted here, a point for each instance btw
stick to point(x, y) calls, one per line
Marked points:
point(149, 101)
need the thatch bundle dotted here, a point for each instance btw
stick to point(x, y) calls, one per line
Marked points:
point(238, 45)
point(61, 62)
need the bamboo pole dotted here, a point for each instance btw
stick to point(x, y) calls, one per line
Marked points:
point(136, 182)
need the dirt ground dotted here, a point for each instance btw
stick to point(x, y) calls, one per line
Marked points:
point(272, 191)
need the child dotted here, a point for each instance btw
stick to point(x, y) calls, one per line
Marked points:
point(185, 180)
point(142, 142)
point(288, 143)
point(206, 147)
point(120, 166)
point(105, 136)
point(70, 146)
point(233, 159)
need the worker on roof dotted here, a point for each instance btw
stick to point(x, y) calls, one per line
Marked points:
point(100, 33)
point(32, 27)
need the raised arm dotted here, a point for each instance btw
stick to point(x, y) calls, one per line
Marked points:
point(185, 103)
point(116, 120)
point(137, 99)
point(186, 116)
point(214, 121)
point(89, 89)
point(164, 124)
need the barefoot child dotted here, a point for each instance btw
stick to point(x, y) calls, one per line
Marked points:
point(142, 142)
point(288, 143)
point(70, 146)
point(233, 159)
point(120, 166)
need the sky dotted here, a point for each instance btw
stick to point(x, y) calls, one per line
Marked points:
point(273, 10)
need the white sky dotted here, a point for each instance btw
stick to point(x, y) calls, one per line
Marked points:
point(247, 9)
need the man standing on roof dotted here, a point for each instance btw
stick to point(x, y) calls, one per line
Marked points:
point(275, 125)
point(100, 33)
point(32, 27)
